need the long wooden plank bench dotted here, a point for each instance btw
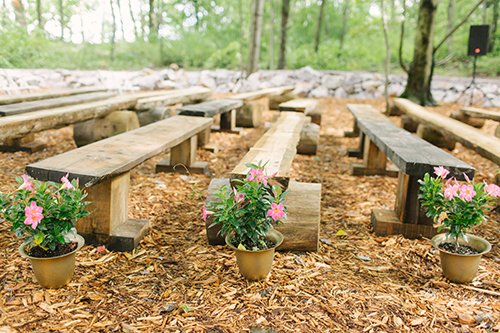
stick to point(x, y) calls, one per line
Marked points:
point(278, 147)
point(253, 95)
point(413, 157)
point(481, 113)
point(193, 94)
point(11, 99)
point(22, 125)
point(104, 168)
point(484, 144)
point(50, 103)
point(308, 106)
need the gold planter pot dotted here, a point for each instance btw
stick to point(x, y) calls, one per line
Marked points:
point(256, 265)
point(461, 268)
point(55, 272)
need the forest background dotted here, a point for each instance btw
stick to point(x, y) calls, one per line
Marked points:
point(343, 35)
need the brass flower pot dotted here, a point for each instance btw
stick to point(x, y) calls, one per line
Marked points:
point(256, 265)
point(55, 272)
point(461, 268)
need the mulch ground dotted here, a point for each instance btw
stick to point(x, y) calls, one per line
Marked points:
point(175, 282)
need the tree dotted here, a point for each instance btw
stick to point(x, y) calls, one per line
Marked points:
point(318, 29)
point(134, 23)
point(113, 34)
point(285, 9)
point(494, 25)
point(271, 35)
point(449, 27)
point(255, 34)
point(418, 87)
point(151, 17)
point(39, 13)
point(387, 57)
point(345, 16)
point(61, 17)
point(20, 13)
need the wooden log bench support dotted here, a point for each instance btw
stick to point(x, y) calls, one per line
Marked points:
point(103, 168)
point(278, 146)
point(413, 157)
point(308, 106)
point(480, 114)
point(484, 144)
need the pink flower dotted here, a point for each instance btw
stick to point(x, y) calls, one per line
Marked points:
point(493, 190)
point(466, 178)
point(276, 211)
point(100, 248)
point(253, 174)
point(206, 213)
point(467, 192)
point(33, 215)
point(66, 183)
point(441, 172)
point(238, 197)
point(451, 191)
point(27, 184)
point(441, 218)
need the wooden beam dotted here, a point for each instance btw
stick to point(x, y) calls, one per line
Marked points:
point(11, 99)
point(252, 95)
point(171, 97)
point(480, 113)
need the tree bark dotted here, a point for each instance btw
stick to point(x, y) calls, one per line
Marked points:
point(345, 16)
point(400, 51)
point(113, 34)
point(136, 29)
point(493, 36)
point(121, 18)
point(285, 9)
point(240, 13)
point(418, 88)
point(61, 19)
point(20, 13)
point(255, 35)
point(449, 27)
point(318, 29)
point(387, 57)
point(271, 35)
point(151, 17)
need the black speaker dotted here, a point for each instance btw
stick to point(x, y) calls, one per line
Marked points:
point(478, 40)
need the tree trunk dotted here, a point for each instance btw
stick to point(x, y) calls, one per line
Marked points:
point(345, 17)
point(493, 36)
point(255, 34)
point(196, 15)
point(271, 36)
point(285, 9)
point(83, 29)
point(449, 27)
point(20, 13)
point(485, 10)
point(240, 13)
point(61, 19)
point(387, 57)
point(121, 18)
point(418, 88)
point(151, 17)
point(113, 34)
point(39, 13)
point(318, 29)
point(136, 32)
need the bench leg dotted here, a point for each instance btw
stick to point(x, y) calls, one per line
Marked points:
point(358, 152)
point(374, 162)
point(204, 141)
point(408, 217)
point(26, 143)
point(183, 159)
point(355, 131)
point(109, 224)
point(228, 123)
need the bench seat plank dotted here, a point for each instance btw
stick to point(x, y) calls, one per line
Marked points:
point(278, 147)
point(305, 105)
point(252, 95)
point(480, 113)
point(171, 97)
point(11, 99)
point(485, 144)
point(106, 159)
point(412, 155)
point(50, 103)
point(210, 108)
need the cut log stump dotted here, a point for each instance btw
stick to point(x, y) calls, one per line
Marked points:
point(300, 230)
point(473, 121)
point(436, 138)
point(249, 115)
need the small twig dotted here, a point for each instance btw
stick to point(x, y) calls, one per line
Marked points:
point(486, 291)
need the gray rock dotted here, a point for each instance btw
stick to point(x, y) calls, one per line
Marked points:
point(332, 81)
point(207, 79)
point(193, 78)
point(321, 91)
point(302, 88)
point(371, 85)
point(166, 84)
point(341, 93)
point(438, 94)
point(308, 74)
point(147, 82)
point(451, 96)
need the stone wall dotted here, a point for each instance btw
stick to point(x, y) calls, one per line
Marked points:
point(308, 82)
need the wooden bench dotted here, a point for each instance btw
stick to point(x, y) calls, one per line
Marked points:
point(278, 146)
point(35, 96)
point(475, 115)
point(17, 127)
point(104, 169)
point(308, 106)
point(50, 103)
point(413, 157)
point(484, 144)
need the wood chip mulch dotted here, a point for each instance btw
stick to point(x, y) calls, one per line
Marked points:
point(175, 282)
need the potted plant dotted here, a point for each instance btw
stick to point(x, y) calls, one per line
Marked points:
point(44, 214)
point(457, 207)
point(247, 213)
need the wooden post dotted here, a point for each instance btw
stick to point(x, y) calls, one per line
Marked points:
point(183, 159)
point(26, 143)
point(408, 207)
point(374, 162)
point(355, 131)
point(358, 152)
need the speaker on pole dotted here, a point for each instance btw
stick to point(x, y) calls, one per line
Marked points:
point(478, 40)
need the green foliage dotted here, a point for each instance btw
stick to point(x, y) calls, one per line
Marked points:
point(61, 206)
point(450, 206)
point(245, 210)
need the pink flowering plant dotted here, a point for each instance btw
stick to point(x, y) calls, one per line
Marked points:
point(455, 206)
point(249, 209)
point(44, 213)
